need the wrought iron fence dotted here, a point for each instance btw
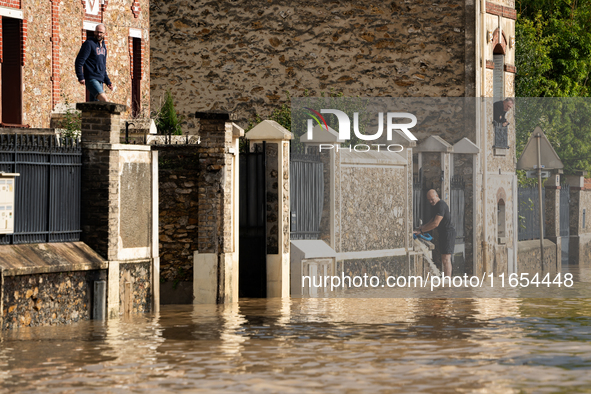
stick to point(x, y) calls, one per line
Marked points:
point(306, 195)
point(417, 191)
point(48, 190)
point(529, 212)
point(457, 206)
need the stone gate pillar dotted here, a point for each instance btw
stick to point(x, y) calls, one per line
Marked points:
point(119, 208)
point(552, 219)
point(577, 218)
point(277, 186)
point(215, 272)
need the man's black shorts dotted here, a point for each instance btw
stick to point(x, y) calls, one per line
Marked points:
point(447, 241)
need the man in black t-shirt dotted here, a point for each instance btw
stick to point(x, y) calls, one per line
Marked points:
point(447, 233)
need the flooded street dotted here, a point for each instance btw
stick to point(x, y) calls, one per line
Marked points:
point(316, 345)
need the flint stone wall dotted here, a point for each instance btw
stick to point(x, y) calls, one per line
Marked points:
point(138, 274)
point(373, 208)
point(529, 259)
point(272, 194)
point(49, 298)
point(178, 205)
point(242, 55)
point(194, 201)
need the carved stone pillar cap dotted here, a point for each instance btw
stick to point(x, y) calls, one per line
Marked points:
point(269, 130)
point(111, 108)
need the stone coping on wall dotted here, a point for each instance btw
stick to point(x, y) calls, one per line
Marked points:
point(136, 261)
point(95, 106)
point(18, 130)
point(132, 147)
point(373, 158)
point(533, 244)
point(28, 259)
point(215, 115)
point(313, 248)
point(174, 140)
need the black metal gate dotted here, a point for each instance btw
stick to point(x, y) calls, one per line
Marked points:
point(47, 192)
point(252, 276)
point(306, 195)
point(529, 212)
point(417, 200)
point(564, 221)
point(457, 206)
point(457, 210)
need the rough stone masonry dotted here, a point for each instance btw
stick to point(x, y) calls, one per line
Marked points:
point(243, 55)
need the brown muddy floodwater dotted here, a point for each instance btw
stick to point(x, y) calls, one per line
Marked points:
point(343, 345)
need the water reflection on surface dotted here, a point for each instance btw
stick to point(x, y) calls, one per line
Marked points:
point(316, 345)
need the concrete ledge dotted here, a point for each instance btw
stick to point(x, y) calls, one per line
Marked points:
point(501, 151)
point(30, 259)
point(136, 261)
point(312, 249)
point(371, 254)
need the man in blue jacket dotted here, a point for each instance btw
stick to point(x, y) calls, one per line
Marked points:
point(91, 65)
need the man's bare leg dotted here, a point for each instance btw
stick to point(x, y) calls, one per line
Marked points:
point(101, 97)
point(446, 264)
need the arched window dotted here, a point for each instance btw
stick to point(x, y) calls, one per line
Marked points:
point(501, 222)
point(498, 73)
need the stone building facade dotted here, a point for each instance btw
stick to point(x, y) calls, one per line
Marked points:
point(40, 42)
point(243, 56)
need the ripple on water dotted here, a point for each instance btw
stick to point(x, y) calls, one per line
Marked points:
point(316, 345)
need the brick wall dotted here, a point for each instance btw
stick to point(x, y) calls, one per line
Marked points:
point(51, 41)
point(500, 10)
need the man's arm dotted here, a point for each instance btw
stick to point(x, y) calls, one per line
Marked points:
point(107, 79)
point(432, 224)
point(81, 59)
